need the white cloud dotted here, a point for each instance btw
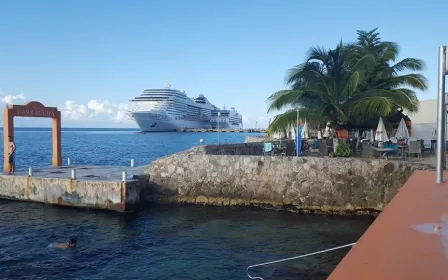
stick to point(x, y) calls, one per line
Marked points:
point(252, 122)
point(99, 107)
point(120, 115)
point(74, 111)
point(10, 98)
point(101, 110)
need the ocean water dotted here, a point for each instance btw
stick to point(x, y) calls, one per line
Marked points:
point(158, 242)
point(108, 146)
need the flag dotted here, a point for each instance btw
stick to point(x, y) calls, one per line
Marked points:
point(299, 140)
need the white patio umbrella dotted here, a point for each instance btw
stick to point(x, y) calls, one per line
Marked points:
point(381, 133)
point(402, 131)
point(305, 132)
point(327, 132)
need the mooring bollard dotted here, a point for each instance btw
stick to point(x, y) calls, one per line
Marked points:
point(73, 174)
point(30, 171)
point(124, 176)
point(132, 162)
point(69, 161)
point(201, 141)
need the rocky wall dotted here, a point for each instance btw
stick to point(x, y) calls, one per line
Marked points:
point(302, 184)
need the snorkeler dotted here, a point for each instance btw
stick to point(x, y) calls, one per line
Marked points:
point(70, 244)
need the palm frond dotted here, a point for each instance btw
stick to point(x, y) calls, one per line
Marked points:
point(352, 84)
point(282, 122)
point(388, 51)
point(416, 81)
point(282, 99)
point(409, 64)
point(381, 102)
point(317, 53)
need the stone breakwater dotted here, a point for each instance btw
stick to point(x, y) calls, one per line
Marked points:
point(300, 184)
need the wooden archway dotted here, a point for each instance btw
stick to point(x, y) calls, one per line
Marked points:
point(36, 110)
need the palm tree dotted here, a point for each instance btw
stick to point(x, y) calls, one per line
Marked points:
point(352, 83)
point(382, 75)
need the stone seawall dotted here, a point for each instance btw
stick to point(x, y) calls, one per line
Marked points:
point(302, 184)
point(253, 148)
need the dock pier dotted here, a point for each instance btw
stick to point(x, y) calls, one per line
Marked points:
point(96, 187)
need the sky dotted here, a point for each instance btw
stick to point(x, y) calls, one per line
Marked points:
point(88, 58)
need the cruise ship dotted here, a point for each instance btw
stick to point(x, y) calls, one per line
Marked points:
point(170, 109)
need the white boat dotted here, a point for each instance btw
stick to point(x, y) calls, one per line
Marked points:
point(170, 109)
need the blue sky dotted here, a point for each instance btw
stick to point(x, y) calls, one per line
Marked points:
point(90, 57)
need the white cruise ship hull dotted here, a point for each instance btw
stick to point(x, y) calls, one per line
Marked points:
point(160, 122)
point(171, 110)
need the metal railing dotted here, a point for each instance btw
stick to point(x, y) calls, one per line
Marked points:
point(293, 258)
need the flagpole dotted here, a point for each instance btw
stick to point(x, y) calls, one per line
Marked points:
point(441, 116)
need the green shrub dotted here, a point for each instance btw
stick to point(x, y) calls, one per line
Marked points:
point(343, 150)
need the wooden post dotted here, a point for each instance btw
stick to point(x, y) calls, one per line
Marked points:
point(56, 131)
point(8, 130)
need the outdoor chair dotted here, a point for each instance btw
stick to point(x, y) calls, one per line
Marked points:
point(358, 146)
point(268, 149)
point(393, 146)
point(414, 148)
point(367, 150)
point(353, 144)
point(290, 149)
point(433, 146)
point(323, 148)
point(422, 142)
point(411, 139)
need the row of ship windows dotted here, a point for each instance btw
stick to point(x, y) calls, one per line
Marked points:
point(176, 104)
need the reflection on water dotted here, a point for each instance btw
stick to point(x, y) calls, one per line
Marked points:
point(168, 242)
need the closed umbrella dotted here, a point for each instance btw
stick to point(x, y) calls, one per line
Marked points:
point(381, 134)
point(402, 131)
point(319, 134)
point(305, 132)
point(327, 132)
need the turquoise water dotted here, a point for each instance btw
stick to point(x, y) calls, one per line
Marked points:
point(158, 242)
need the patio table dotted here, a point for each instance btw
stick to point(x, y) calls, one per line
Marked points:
point(383, 151)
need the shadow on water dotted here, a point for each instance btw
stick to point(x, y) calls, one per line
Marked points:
point(168, 242)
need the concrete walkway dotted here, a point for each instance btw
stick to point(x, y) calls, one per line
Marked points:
point(409, 238)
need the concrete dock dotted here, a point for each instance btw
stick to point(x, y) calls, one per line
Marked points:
point(98, 187)
point(409, 240)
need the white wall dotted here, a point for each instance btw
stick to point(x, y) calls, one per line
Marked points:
point(426, 114)
point(424, 121)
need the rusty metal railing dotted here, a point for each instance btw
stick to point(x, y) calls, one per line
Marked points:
point(293, 258)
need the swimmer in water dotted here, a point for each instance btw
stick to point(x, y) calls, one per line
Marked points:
point(71, 244)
